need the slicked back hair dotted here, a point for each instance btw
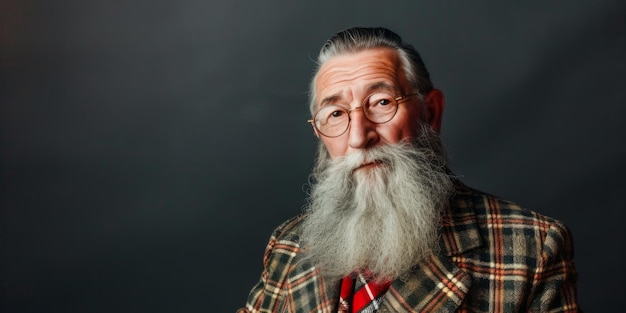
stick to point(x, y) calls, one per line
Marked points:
point(356, 39)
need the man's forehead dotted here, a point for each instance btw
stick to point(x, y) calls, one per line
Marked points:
point(351, 61)
point(368, 70)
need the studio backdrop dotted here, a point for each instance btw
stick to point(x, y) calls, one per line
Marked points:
point(149, 148)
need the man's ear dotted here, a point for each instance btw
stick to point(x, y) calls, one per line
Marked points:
point(434, 103)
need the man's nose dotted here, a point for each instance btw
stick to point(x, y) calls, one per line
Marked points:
point(362, 133)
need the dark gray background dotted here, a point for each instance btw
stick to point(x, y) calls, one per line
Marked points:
point(150, 147)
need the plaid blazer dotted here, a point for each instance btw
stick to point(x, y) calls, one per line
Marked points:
point(495, 257)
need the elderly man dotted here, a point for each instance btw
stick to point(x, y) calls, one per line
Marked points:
point(388, 227)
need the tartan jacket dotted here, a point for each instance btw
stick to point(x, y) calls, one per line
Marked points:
point(494, 256)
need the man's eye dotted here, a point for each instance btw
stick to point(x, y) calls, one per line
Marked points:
point(383, 102)
point(380, 100)
point(336, 113)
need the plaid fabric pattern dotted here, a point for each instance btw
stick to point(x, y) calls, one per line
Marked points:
point(494, 257)
point(360, 294)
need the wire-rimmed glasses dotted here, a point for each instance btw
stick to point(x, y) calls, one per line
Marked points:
point(334, 120)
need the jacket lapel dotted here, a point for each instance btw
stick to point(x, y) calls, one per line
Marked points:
point(435, 284)
point(309, 291)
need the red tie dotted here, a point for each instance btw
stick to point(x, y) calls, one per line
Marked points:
point(358, 294)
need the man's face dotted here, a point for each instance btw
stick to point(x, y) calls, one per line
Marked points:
point(348, 79)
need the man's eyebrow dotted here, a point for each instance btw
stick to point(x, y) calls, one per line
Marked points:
point(382, 86)
point(329, 100)
point(378, 86)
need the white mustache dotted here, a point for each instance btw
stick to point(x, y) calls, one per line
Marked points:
point(360, 158)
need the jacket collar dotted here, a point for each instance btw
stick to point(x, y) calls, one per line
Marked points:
point(435, 284)
point(460, 231)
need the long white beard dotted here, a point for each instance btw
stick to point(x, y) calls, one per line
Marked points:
point(384, 218)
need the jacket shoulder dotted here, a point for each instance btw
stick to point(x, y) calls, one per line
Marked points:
point(290, 229)
point(491, 210)
point(482, 219)
point(529, 253)
point(268, 295)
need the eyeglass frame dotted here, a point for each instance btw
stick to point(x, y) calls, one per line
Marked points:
point(348, 111)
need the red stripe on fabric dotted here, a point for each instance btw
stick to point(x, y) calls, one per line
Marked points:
point(362, 297)
point(345, 295)
point(347, 286)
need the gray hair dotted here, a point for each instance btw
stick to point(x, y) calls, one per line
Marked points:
point(357, 39)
